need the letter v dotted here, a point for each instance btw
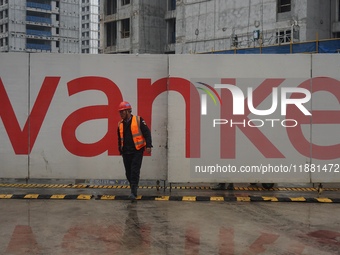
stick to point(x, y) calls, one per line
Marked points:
point(23, 140)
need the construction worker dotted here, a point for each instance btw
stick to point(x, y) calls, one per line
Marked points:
point(134, 137)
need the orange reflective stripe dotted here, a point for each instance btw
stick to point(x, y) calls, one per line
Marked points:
point(136, 132)
point(121, 130)
point(137, 135)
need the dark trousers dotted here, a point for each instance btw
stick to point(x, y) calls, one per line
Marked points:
point(132, 164)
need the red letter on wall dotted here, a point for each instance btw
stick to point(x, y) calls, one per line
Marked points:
point(147, 93)
point(23, 140)
point(109, 112)
point(228, 133)
point(296, 136)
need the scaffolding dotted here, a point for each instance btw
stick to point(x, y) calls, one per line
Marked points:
point(316, 46)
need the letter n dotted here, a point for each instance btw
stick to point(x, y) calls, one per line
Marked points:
point(148, 92)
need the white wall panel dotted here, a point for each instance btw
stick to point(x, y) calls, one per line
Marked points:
point(14, 77)
point(50, 157)
point(325, 163)
point(248, 71)
point(61, 92)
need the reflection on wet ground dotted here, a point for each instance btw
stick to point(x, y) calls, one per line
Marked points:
point(167, 227)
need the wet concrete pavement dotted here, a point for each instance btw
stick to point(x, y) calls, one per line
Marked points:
point(167, 227)
point(96, 226)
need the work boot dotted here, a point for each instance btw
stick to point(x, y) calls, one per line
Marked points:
point(132, 197)
point(134, 188)
point(220, 186)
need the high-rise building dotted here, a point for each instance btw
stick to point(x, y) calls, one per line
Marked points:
point(49, 26)
point(202, 26)
point(90, 26)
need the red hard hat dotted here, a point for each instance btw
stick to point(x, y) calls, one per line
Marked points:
point(124, 106)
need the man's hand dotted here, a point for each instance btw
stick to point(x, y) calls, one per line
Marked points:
point(148, 150)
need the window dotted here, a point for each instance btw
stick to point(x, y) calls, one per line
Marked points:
point(125, 32)
point(283, 36)
point(125, 2)
point(171, 24)
point(283, 6)
point(5, 12)
point(111, 33)
point(111, 7)
point(171, 5)
point(85, 9)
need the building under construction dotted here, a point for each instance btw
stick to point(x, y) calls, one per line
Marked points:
point(67, 26)
point(219, 26)
point(133, 26)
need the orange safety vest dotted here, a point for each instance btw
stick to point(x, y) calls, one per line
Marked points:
point(136, 132)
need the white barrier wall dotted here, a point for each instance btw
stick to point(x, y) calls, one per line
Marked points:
point(325, 135)
point(263, 132)
point(256, 146)
point(73, 102)
point(14, 74)
point(247, 146)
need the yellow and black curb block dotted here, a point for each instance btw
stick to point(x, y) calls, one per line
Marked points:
point(175, 198)
point(224, 199)
point(39, 196)
point(89, 186)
